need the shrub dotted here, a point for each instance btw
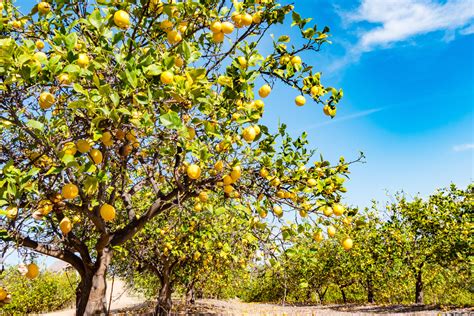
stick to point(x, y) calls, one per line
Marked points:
point(48, 292)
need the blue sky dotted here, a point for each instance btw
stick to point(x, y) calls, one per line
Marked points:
point(407, 70)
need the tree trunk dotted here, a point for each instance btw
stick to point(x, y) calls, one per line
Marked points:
point(90, 293)
point(190, 300)
point(164, 304)
point(419, 288)
point(343, 295)
point(370, 290)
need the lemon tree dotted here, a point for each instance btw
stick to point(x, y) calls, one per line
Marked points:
point(183, 248)
point(103, 101)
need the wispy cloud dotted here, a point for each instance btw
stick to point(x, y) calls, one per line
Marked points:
point(387, 22)
point(345, 118)
point(463, 147)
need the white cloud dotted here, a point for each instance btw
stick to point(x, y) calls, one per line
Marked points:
point(383, 23)
point(463, 147)
point(399, 20)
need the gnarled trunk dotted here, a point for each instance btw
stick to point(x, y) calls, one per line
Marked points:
point(419, 288)
point(90, 293)
point(164, 303)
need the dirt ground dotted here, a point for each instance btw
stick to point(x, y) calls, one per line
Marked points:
point(235, 307)
point(126, 303)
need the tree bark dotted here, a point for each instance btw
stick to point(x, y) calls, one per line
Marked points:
point(190, 299)
point(370, 290)
point(164, 302)
point(344, 298)
point(419, 288)
point(90, 293)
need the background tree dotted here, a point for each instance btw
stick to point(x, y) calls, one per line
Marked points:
point(432, 232)
point(101, 100)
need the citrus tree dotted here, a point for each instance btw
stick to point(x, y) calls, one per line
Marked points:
point(103, 100)
point(434, 231)
point(184, 247)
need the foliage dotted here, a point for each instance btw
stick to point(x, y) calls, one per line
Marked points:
point(431, 233)
point(48, 292)
point(113, 113)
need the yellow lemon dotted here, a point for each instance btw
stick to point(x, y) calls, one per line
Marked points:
point(107, 212)
point(122, 19)
point(264, 91)
point(65, 225)
point(347, 243)
point(46, 100)
point(33, 271)
point(83, 146)
point(193, 171)
point(96, 156)
point(300, 100)
point(69, 191)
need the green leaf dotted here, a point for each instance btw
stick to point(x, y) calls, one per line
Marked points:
point(171, 120)
point(35, 124)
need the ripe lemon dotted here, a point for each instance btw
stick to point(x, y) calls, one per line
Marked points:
point(122, 19)
point(65, 225)
point(3, 294)
point(246, 19)
point(228, 189)
point(303, 213)
point(218, 166)
point(216, 27)
point(39, 45)
point(331, 231)
point(236, 173)
point(166, 25)
point(33, 271)
point(46, 100)
point(311, 182)
point(203, 197)
point(166, 77)
point(327, 210)
point(218, 37)
point(338, 209)
point(249, 134)
point(227, 27)
point(174, 37)
point(198, 207)
point(193, 171)
point(242, 61)
point(178, 62)
point(347, 243)
point(329, 111)
point(107, 212)
point(300, 100)
point(257, 17)
point(227, 180)
point(83, 146)
point(69, 191)
point(70, 148)
point(12, 212)
point(316, 91)
point(264, 173)
point(296, 60)
point(64, 79)
point(44, 7)
point(96, 156)
point(264, 91)
point(83, 60)
point(318, 236)
point(278, 211)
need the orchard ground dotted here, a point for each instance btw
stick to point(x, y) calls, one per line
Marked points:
point(125, 301)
